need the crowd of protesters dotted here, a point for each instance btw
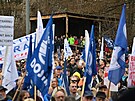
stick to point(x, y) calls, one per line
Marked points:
point(75, 74)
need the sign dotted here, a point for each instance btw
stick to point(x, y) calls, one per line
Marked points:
point(6, 30)
point(131, 71)
point(20, 47)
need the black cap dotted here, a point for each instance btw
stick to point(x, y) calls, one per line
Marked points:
point(2, 88)
point(88, 93)
point(101, 95)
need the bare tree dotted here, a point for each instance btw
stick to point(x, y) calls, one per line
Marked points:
point(105, 8)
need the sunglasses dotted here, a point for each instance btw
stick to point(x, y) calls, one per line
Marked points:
point(74, 81)
point(74, 86)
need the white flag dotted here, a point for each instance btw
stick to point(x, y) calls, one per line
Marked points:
point(87, 42)
point(67, 50)
point(101, 56)
point(39, 31)
point(133, 47)
point(9, 70)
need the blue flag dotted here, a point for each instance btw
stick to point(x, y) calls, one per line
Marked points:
point(41, 61)
point(83, 54)
point(91, 62)
point(27, 85)
point(117, 65)
point(109, 42)
point(65, 82)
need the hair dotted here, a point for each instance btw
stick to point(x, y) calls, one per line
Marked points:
point(22, 94)
point(29, 99)
point(56, 90)
point(59, 89)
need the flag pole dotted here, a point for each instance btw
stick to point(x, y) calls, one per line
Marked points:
point(108, 91)
point(35, 92)
point(84, 80)
point(35, 89)
point(19, 87)
point(3, 67)
point(27, 17)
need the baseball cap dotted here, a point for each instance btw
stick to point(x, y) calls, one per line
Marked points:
point(77, 74)
point(88, 93)
point(3, 88)
point(58, 67)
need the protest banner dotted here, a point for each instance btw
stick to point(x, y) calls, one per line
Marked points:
point(131, 71)
point(20, 47)
point(6, 30)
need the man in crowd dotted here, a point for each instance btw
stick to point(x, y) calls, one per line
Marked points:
point(3, 96)
point(88, 96)
point(59, 75)
point(100, 96)
point(73, 91)
point(60, 95)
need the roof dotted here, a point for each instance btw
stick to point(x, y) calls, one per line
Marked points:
point(75, 15)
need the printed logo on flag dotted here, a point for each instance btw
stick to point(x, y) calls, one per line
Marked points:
point(89, 70)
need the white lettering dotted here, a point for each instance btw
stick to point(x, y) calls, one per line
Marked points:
point(43, 78)
point(37, 68)
point(41, 50)
point(45, 82)
point(41, 73)
point(33, 63)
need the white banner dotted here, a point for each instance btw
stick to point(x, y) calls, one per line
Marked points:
point(20, 47)
point(131, 71)
point(6, 30)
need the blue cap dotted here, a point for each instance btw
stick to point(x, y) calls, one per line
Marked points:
point(88, 93)
point(58, 67)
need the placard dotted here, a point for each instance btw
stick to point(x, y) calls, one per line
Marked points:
point(6, 30)
point(131, 71)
